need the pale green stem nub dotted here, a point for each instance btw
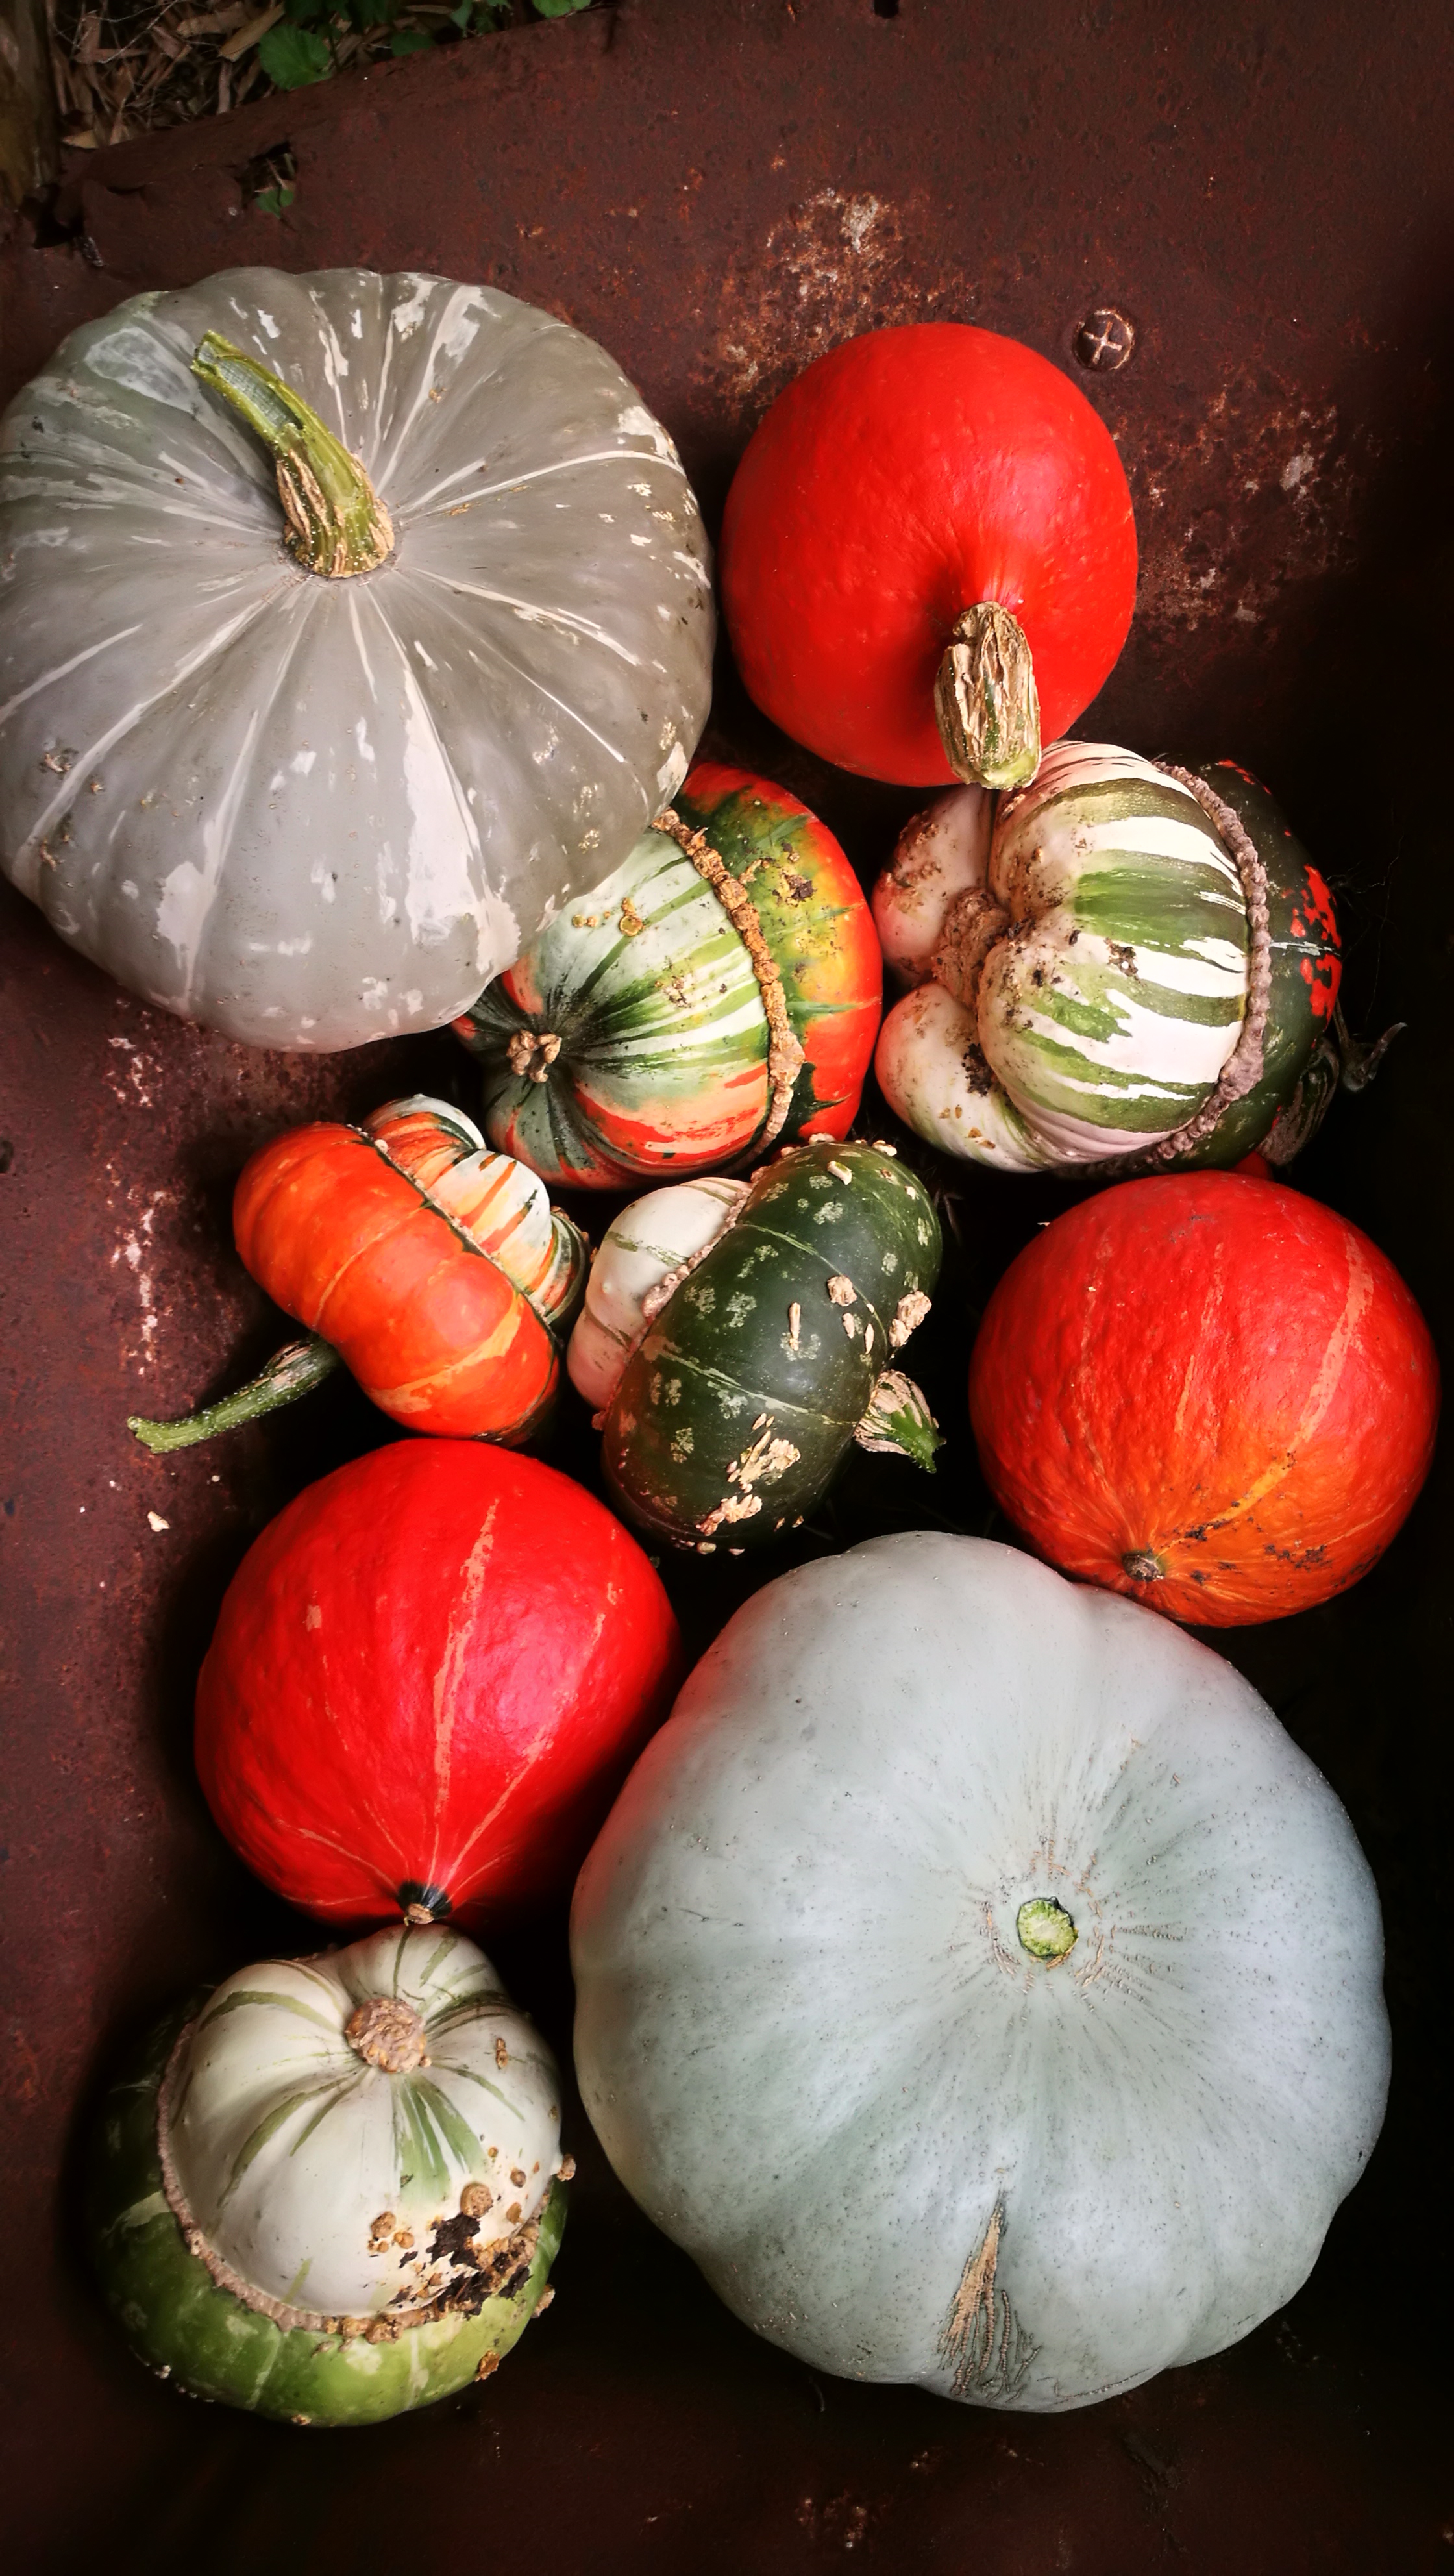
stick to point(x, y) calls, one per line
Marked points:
point(986, 701)
point(337, 525)
point(289, 1373)
point(1045, 1929)
point(898, 1422)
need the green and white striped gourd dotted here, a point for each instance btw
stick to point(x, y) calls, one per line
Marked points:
point(332, 2191)
point(1091, 981)
point(734, 1378)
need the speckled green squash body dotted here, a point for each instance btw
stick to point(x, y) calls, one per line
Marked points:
point(734, 1411)
point(633, 1037)
point(310, 809)
point(189, 2326)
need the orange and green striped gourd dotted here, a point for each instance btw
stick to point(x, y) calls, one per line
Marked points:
point(718, 995)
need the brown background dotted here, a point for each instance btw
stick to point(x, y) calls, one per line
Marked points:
point(717, 192)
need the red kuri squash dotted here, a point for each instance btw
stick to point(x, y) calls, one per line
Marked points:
point(930, 526)
point(1207, 1391)
point(428, 1677)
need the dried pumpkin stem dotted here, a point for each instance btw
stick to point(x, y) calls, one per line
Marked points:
point(337, 525)
point(291, 1372)
point(784, 1052)
point(986, 701)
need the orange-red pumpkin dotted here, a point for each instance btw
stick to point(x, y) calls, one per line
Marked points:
point(1207, 1391)
point(428, 1677)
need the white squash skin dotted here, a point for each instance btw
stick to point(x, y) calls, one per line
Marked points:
point(296, 2222)
point(939, 855)
point(814, 2067)
point(649, 1242)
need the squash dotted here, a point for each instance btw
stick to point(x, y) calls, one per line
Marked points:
point(439, 1271)
point(427, 1677)
point(760, 1356)
point(649, 1250)
point(324, 687)
point(1124, 964)
point(1207, 1391)
point(719, 994)
point(978, 1983)
point(331, 2190)
point(928, 556)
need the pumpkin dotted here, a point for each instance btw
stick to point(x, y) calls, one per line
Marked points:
point(1207, 1391)
point(718, 994)
point(978, 1983)
point(762, 1355)
point(427, 1677)
point(1123, 961)
point(331, 2190)
point(928, 556)
point(649, 1250)
point(437, 1270)
point(353, 624)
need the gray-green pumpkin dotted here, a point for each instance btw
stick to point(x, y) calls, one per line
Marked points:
point(329, 672)
point(332, 2190)
point(1121, 966)
point(771, 1320)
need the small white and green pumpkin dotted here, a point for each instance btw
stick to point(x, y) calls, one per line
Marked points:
point(1120, 963)
point(332, 2190)
point(737, 1339)
point(350, 624)
point(978, 1982)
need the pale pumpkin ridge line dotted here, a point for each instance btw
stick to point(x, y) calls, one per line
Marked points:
point(460, 299)
point(450, 1672)
point(517, 1780)
point(565, 618)
point(562, 465)
point(417, 704)
point(62, 801)
point(341, 366)
point(549, 695)
point(1212, 1300)
point(217, 834)
point(63, 670)
point(1324, 1387)
point(330, 1842)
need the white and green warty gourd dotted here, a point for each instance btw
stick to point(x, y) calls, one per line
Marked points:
point(978, 1982)
point(1112, 962)
point(334, 2191)
point(349, 625)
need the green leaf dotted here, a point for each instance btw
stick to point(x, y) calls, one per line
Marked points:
point(292, 58)
point(274, 201)
point(558, 8)
point(411, 40)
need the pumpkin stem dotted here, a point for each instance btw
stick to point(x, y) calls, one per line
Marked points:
point(290, 1372)
point(387, 2032)
point(898, 1422)
point(1046, 1930)
point(986, 700)
point(337, 525)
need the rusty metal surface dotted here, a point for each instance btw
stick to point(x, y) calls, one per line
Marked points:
point(717, 193)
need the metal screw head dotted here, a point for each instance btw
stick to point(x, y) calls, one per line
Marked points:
point(1105, 340)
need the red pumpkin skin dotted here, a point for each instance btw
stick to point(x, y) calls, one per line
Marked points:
point(1212, 1376)
point(428, 1679)
point(900, 479)
point(436, 1334)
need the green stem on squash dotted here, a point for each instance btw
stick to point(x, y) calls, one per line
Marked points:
point(1046, 1930)
point(291, 1372)
point(986, 701)
point(898, 1422)
point(337, 525)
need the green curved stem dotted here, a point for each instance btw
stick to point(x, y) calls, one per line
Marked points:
point(291, 1372)
point(898, 1422)
point(337, 525)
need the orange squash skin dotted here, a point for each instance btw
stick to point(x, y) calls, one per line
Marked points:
point(1208, 1392)
point(436, 1334)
